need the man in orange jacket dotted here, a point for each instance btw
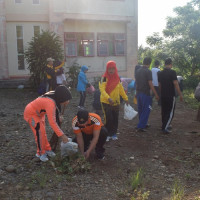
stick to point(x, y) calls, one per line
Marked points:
point(90, 133)
point(34, 113)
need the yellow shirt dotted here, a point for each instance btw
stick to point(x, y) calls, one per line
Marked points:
point(114, 95)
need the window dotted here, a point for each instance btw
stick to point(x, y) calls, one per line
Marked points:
point(119, 44)
point(36, 1)
point(36, 30)
point(79, 44)
point(18, 1)
point(20, 47)
point(110, 44)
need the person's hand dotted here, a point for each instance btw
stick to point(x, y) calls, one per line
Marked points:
point(157, 97)
point(61, 118)
point(181, 98)
point(127, 103)
point(64, 138)
point(110, 101)
point(86, 154)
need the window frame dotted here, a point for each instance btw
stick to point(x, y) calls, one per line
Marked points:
point(34, 29)
point(19, 54)
point(36, 3)
point(119, 40)
point(18, 2)
point(80, 39)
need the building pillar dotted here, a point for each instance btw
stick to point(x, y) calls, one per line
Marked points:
point(56, 23)
point(4, 74)
point(132, 42)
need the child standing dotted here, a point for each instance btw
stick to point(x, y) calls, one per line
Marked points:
point(81, 86)
point(111, 89)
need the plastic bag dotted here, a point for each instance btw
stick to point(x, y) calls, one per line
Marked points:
point(129, 112)
point(90, 89)
point(69, 148)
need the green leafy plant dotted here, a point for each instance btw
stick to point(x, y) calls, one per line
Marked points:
point(137, 179)
point(72, 74)
point(71, 165)
point(139, 195)
point(177, 191)
point(42, 46)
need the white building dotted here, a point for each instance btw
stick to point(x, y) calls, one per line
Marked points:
point(92, 31)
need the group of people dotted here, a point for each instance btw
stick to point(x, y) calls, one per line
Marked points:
point(88, 128)
point(164, 87)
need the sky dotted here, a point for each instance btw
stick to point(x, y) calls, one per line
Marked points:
point(152, 16)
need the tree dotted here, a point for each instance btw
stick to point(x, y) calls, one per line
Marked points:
point(42, 46)
point(183, 32)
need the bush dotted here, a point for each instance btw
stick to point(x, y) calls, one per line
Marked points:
point(42, 46)
point(73, 74)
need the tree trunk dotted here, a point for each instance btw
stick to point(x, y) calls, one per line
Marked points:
point(198, 114)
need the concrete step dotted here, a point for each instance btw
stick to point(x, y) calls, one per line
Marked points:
point(16, 83)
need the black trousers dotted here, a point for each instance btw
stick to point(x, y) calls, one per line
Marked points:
point(111, 115)
point(99, 149)
point(167, 111)
point(82, 98)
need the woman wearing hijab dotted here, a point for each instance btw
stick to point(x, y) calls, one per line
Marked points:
point(111, 90)
point(81, 86)
point(50, 104)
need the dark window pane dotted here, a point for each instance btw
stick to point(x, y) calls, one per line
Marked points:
point(21, 65)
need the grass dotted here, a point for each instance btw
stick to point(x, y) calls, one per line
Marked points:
point(177, 191)
point(137, 179)
point(189, 99)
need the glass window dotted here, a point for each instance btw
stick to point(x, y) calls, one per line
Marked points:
point(36, 1)
point(79, 44)
point(20, 47)
point(18, 1)
point(36, 30)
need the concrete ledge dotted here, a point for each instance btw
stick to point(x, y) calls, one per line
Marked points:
point(14, 83)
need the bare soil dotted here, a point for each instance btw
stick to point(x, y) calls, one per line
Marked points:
point(162, 158)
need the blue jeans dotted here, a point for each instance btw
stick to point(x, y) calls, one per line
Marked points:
point(144, 103)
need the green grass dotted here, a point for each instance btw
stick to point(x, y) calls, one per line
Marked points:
point(137, 179)
point(189, 99)
point(177, 191)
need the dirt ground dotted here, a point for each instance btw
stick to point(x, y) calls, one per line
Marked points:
point(163, 159)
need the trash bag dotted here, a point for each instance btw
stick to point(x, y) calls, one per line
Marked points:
point(69, 148)
point(129, 112)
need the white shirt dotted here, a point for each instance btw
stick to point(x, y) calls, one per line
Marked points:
point(155, 70)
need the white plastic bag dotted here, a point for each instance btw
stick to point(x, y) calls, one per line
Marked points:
point(69, 148)
point(129, 112)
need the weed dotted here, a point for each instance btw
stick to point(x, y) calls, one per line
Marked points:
point(139, 195)
point(40, 178)
point(137, 179)
point(177, 191)
point(71, 165)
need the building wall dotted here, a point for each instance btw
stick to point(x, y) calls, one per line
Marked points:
point(28, 33)
point(62, 16)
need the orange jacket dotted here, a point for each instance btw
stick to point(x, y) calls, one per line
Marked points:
point(94, 123)
point(36, 110)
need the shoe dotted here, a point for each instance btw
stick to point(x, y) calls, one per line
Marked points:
point(141, 130)
point(108, 138)
point(100, 156)
point(37, 155)
point(148, 126)
point(169, 127)
point(166, 131)
point(44, 158)
point(114, 137)
point(81, 107)
point(50, 153)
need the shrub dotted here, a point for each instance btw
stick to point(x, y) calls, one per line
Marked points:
point(42, 46)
